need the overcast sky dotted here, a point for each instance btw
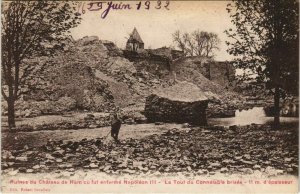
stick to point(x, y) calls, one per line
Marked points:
point(156, 26)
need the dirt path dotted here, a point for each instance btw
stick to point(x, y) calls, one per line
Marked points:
point(48, 119)
point(38, 138)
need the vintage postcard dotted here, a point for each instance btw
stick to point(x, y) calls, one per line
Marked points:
point(149, 96)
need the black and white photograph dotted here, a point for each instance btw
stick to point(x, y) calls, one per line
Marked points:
point(150, 96)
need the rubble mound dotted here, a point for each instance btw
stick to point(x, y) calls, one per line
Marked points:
point(182, 102)
point(97, 75)
point(72, 73)
point(245, 150)
point(188, 69)
point(202, 71)
point(64, 75)
point(206, 73)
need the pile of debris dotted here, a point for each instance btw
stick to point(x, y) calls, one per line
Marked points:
point(246, 150)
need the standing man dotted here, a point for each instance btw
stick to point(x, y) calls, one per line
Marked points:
point(115, 126)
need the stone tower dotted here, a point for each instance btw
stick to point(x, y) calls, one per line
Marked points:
point(135, 41)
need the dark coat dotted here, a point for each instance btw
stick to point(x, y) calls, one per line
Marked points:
point(116, 125)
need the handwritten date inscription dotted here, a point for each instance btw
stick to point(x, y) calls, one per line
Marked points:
point(108, 6)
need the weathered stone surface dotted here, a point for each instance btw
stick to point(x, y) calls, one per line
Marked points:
point(58, 153)
point(87, 40)
point(182, 102)
point(224, 170)
point(29, 170)
point(22, 159)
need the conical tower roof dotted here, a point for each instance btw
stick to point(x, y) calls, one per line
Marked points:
point(135, 36)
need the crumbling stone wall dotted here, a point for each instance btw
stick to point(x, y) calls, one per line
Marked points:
point(155, 61)
point(220, 72)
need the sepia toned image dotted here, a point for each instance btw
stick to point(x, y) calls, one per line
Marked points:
point(150, 96)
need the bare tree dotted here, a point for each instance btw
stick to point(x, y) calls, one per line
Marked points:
point(190, 44)
point(177, 39)
point(200, 39)
point(212, 43)
point(198, 43)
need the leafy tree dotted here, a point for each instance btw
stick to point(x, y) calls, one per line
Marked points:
point(28, 28)
point(197, 43)
point(265, 43)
